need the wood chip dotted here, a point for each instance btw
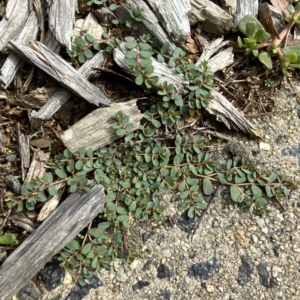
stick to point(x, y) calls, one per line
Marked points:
point(95, 130)
point(43, 58)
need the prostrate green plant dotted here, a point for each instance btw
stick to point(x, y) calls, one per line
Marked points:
point(135, 173)
point(257, 39)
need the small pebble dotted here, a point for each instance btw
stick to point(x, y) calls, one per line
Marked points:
point(264, 146)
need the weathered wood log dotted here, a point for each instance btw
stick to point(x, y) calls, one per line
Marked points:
point(173, 15)
point(221, 60)
point(43, 58)
point(231, 117)
point(243, 8)
point(13, 63)
point(210, 17)
point(62, 95)
point(61, 16)
point(95, 130)
point(151, 23)
point(52, 235)
point(16, 14)
point(161, 70)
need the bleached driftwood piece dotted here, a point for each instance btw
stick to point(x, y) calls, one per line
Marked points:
point(162, 70)
point(151, 23)
point(24, 150)
point(220, 61)
point(13, 63)
point(244, 7)
point(173, 15)
point(37, 166)
point(95, 130)
point(62, 95)
point(43, 58)
point(61, 16)
point(210, 17)
point(231, 117)
point(16, 14)
point(78, 210)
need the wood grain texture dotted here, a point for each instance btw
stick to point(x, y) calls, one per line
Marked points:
point(13, 63)
point(62, 95)
point(210, 17)
point(50, 237)
point(16, 14)
point(150, 25)
point(42, 57)
point(61, 15)
point(95, 130)
point(173, 15)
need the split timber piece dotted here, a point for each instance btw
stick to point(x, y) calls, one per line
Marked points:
point(75, 213)
point(95, 130)
point(13, 63)
point(62, 95)
point(243, 8)
point(220, 61)
point(16, 14)
point(42, 57)
point(232, 118)
point(210, 17)
point(61, 16)
point(173, 14)
point(162, 70)
point(150, 25)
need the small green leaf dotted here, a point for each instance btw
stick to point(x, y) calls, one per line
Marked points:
point(131, 54)
point(191, 212)
point(235, 193)
point(256, 191)
point(222, 178)
point(184, 194)
point(250, 29)
point(48, 177)
point(79, 164)
point(88, 53)
point(146, 54)
point(52, 190)
point(79, 42)
point(139, 79)
point(7, 239)
point(132, 206)
point(145, 62)
point(81, 58)
point(89, 38)
point(95, 232)
point(120, 132)
point(73, 245)
point(86, 248)
point(264, 57)
point(207, 186)
point(61, 173)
